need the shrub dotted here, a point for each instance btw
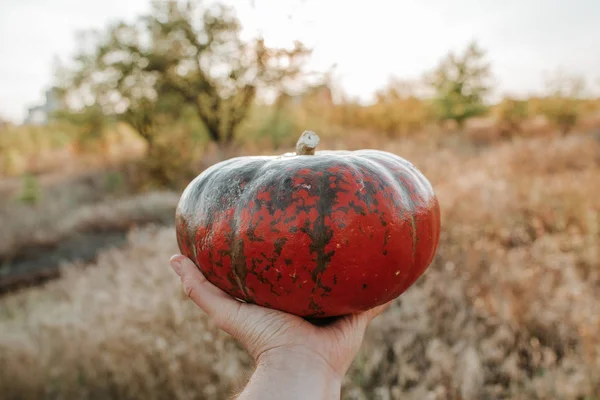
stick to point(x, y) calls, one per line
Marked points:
point(510, 115)
point(562, 105)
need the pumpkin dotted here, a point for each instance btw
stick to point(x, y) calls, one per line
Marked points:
point(315, 234)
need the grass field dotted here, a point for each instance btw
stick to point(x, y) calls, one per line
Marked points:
point(508, 309)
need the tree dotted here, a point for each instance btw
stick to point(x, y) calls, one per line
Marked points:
point(461, 84)
point(183, 56)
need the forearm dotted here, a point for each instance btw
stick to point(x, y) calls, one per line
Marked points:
point(293, 377)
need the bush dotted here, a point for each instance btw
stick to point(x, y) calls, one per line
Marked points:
point(563, 104)
point(510, 115)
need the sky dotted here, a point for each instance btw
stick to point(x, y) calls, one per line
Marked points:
point(369, 41)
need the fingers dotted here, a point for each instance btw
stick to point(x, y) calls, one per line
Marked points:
point(223, 308)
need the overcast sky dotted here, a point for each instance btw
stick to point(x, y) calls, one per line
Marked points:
point(369, 40)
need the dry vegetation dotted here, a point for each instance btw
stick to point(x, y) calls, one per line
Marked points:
point(57, 220)
point(62, 147)
point(508, 309)
point(67, 206)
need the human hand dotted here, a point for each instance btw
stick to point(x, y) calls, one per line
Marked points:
point(289, 351)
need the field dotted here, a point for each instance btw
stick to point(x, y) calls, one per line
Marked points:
point(507, 310)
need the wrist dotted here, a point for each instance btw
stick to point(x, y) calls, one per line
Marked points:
point(299, 359)
point(297, 374)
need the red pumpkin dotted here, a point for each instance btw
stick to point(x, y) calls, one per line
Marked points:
point(314, 234)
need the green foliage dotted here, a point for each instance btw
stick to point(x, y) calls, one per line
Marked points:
point(30, 190)
point(461, 83)
point(563, 103)
point(183, 56)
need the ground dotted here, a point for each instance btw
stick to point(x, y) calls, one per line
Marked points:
point(507, 310)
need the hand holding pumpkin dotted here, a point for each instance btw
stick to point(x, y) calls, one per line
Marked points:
point(288, 350)
point(304, 235)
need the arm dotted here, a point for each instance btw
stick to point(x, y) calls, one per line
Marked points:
point(294, 358)
point(294, 377)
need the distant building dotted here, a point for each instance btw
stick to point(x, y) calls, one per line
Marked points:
point(40, 115)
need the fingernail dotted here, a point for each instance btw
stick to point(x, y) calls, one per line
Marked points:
point(176, 265)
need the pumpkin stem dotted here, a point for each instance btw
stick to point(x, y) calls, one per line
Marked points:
point(307, 144)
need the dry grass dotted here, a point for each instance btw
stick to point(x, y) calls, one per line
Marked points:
point(508, 310)
point(85, 204)
point(57, 147)
point(120, 330)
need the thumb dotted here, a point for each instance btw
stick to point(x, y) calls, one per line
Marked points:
point(217, 304)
